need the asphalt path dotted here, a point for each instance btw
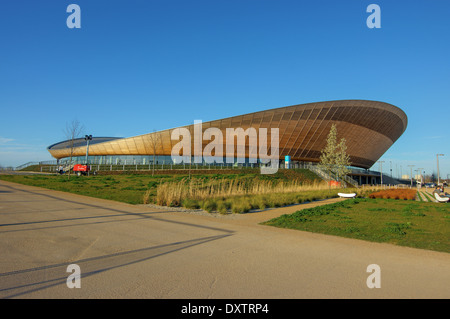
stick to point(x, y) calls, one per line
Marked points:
point(135, 251)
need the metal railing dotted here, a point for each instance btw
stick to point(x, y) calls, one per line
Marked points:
point(53, 167)
point(147, 167)
point(26, 165)
point(328, 177)
point(18, 168)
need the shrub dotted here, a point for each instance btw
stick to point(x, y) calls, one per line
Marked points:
point(240, 205)
point(222, 207)
point(257, 202)
point(146, 197)
point(209, 205)
point(190, 204)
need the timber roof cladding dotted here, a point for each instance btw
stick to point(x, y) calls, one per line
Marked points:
point(369, 127)
point(80, 142)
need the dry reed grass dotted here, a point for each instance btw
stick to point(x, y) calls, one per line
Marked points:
point(173, 193)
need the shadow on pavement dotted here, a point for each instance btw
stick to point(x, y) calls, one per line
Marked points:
point(22, 282)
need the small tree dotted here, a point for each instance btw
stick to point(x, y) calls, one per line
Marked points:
point(334, 158)
point(73, 131)
point(328, 154)
point(155, 142)
point(342, 160)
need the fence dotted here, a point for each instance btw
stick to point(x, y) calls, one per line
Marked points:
point(324, 175)
point(18, 168)
point(52, 167)
point(151, 167)
point(9, 168)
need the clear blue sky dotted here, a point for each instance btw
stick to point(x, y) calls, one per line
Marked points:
point(138, 66)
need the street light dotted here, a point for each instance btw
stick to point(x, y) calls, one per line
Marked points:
point(411, 166)
point(381, 171)
point(421, 176)
point(391, 167)
point(87, 138)
point(437, 159)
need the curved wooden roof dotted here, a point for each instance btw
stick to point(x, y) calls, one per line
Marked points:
point(369, 127)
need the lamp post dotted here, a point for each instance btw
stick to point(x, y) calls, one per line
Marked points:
point(437, 159)
point(411, 166)
point(87, 138)
point(381, 171)
point(391, 167)
point(421, 176)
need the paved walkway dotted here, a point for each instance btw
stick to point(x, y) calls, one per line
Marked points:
point(428, 191)
point(127, 251)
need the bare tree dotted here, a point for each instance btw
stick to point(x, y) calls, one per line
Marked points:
point(155, 143)
point(72, 131)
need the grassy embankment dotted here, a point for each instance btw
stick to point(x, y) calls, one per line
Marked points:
point(206, 191)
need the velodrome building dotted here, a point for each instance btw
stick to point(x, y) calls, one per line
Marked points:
point(369, 127)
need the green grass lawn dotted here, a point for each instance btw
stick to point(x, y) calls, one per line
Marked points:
point(415, 224)
point(128, 189)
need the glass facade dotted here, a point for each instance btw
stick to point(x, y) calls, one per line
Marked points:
point(159, 160)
